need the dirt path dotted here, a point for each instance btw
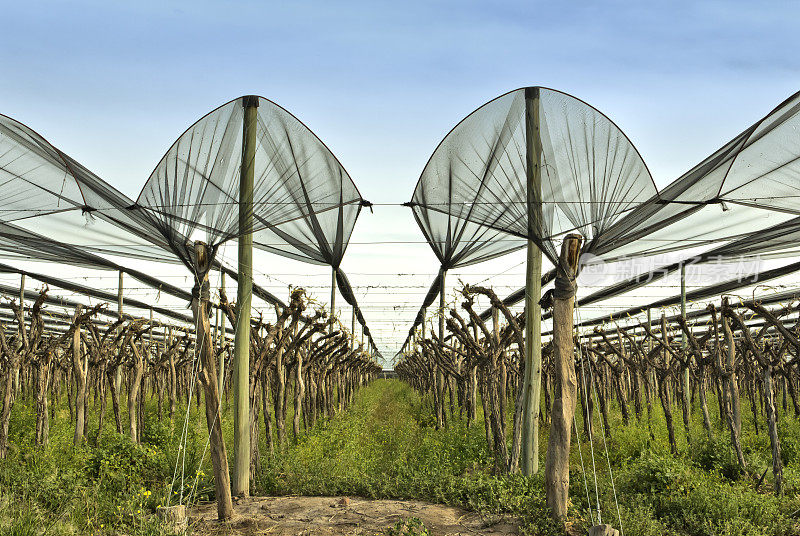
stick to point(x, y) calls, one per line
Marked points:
point(335, 516)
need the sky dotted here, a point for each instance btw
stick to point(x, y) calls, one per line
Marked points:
point(114, 84)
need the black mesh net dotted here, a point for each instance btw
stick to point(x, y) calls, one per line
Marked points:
point(305, 204)
point(591, 174)
point(738, 202)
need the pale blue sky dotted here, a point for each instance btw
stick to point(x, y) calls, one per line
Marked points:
point(381, 83)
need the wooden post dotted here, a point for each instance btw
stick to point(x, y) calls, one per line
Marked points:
point(333, 297)
point(533, 290)
point(173, 383)
point(772, 428)
point(80, 369)
point(684, 340)
point(208, 377)
point(565, 383)
point(439, 380)
point(683, 301)
point(22, 293)
point(118, 371)
point(299, 388)
point(244, 295)
point(221, 340)
point(119, 296)
point(687, 407)
point(652, 373)
point(21, 327)
point(441, 307)
point(732, 384)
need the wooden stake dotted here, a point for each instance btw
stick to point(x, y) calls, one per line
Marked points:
point(221, 340)
point(208, 377)
point(772, 428)
point(21, 326)
point(80, 370)
point(529, 461)
point(333, 297)
point(118, 371)
point(565, 385)
point(244, 295)
point(685, 386)
point(440, 415)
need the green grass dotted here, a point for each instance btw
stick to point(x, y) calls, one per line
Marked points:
point(385, 446)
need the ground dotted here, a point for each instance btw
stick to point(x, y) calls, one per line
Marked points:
point(385, 453)
point(334, 516)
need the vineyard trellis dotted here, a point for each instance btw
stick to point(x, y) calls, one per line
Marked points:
point(535, 168)
point(248, 171)
point(536, 165)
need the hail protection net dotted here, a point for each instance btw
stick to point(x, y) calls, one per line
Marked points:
point(50, 194)
point(589, 175)
point(59, 211)
point(533, 164)
point(305, 204)
point(740, 202)
point(54, 209)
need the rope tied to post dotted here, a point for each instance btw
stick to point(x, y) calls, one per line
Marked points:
point(565, 287)
point(201, 292)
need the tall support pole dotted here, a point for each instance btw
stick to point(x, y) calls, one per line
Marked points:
point(333, 297)
point(22, 301)
point(441, 307)
point(244, 295)
point(119, 296)
point(533, 290)
point(80, 370)
point(684, 344)
point(649, 347)
point(21, 326)
point(221, 339)
point(440, 387)
point(118, 371)
point(683, 301)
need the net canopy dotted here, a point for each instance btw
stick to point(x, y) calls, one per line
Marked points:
point(59, 211)
point(748, 185)
point(591, 174)
point(306, 205)
point(741, 201)
point(48, 192)
point(473, 201)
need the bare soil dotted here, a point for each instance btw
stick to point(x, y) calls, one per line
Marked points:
point(335, 516)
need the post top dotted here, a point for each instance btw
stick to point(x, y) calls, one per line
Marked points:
point(250, 101)
point(532, 92)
